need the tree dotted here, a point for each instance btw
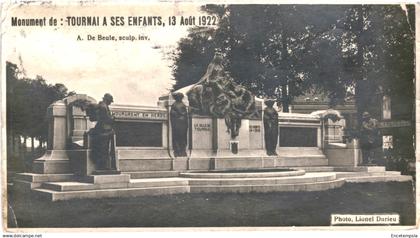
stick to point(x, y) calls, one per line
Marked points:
point(266, 47)
point(12, 110)
point(27, 101)
point(283, 50)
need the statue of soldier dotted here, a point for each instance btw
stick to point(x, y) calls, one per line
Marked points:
point(370, 139)
point(271, 124)
point(102, 136)
point(179, 123)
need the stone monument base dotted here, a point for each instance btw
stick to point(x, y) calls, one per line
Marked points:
point(80, 163)
point(106, 172)
point(180, 164)
point(134, 159)
point(121, 185)
point(52, 162)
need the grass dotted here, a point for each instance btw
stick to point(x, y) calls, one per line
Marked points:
point(219, 209)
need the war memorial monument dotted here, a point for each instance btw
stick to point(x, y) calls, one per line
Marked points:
point(212, 136)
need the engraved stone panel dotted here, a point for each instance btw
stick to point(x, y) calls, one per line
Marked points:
point(141, 134)
point(298, 137)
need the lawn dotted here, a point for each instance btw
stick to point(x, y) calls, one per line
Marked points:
point(219, 209)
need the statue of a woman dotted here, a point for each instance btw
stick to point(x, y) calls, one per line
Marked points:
point(271, 125)
point(179, 123)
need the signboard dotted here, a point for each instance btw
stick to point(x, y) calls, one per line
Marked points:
point(139, 115)
point(391, 124)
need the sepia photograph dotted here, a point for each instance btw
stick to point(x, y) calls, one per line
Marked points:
point(206, 115)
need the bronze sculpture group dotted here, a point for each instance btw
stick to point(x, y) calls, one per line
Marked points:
point(217, 95)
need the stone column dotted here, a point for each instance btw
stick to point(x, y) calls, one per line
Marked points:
point(55, 160)
point(77, 121)
point(319, 139)
point(80, 124)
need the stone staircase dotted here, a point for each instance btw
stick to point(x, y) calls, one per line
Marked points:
point(305, 182)
point(67, 186)
point(56, 191)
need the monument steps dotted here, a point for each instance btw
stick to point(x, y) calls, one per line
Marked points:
point(153, 174)
point(39, 178)
point(374, 179)
point(109, 193)
point(307, 178)
point(79, 186)
point(314, 168)
point(360, 169)
point(155, 182)
point(316, 186)
point(306, 161)
point(154, 191)
point(28, 181)
point(134, 183)
point(366, 174)
point(216, 174)
point(311, 181)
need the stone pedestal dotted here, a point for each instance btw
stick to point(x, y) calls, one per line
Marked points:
point(202, 136)
point(106, 172)
point(340, 154)
point(109, 180)
point(211, 144)
point(180, 164)
point(67, 124)
point(52, 162)
point(77, 121)
point(81, 163)
point(135, 159)
point(55, 160)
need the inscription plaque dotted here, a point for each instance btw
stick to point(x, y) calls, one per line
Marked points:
point(202, 127)
point(139, 134)
point(136, 115)
point(254, 128)
point(298, 137)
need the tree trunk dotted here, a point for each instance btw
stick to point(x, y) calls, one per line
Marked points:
point(284, 58)
point(25, 138)
point(12, 149)
point(19, 146)
point(32, 144)
point(285, 98)
point(360, 90)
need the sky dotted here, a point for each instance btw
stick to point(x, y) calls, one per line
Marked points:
point(134, 72)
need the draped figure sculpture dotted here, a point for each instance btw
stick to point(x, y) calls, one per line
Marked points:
point(271, 127)
point(179, 124)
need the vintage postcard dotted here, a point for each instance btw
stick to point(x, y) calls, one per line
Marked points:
point(203, 116)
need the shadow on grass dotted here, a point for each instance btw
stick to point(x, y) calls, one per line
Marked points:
point(219, 209)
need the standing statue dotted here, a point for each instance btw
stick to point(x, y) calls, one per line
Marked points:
point(271, 127)
point(370, 138)
point(102, 135)
point(179, 123)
